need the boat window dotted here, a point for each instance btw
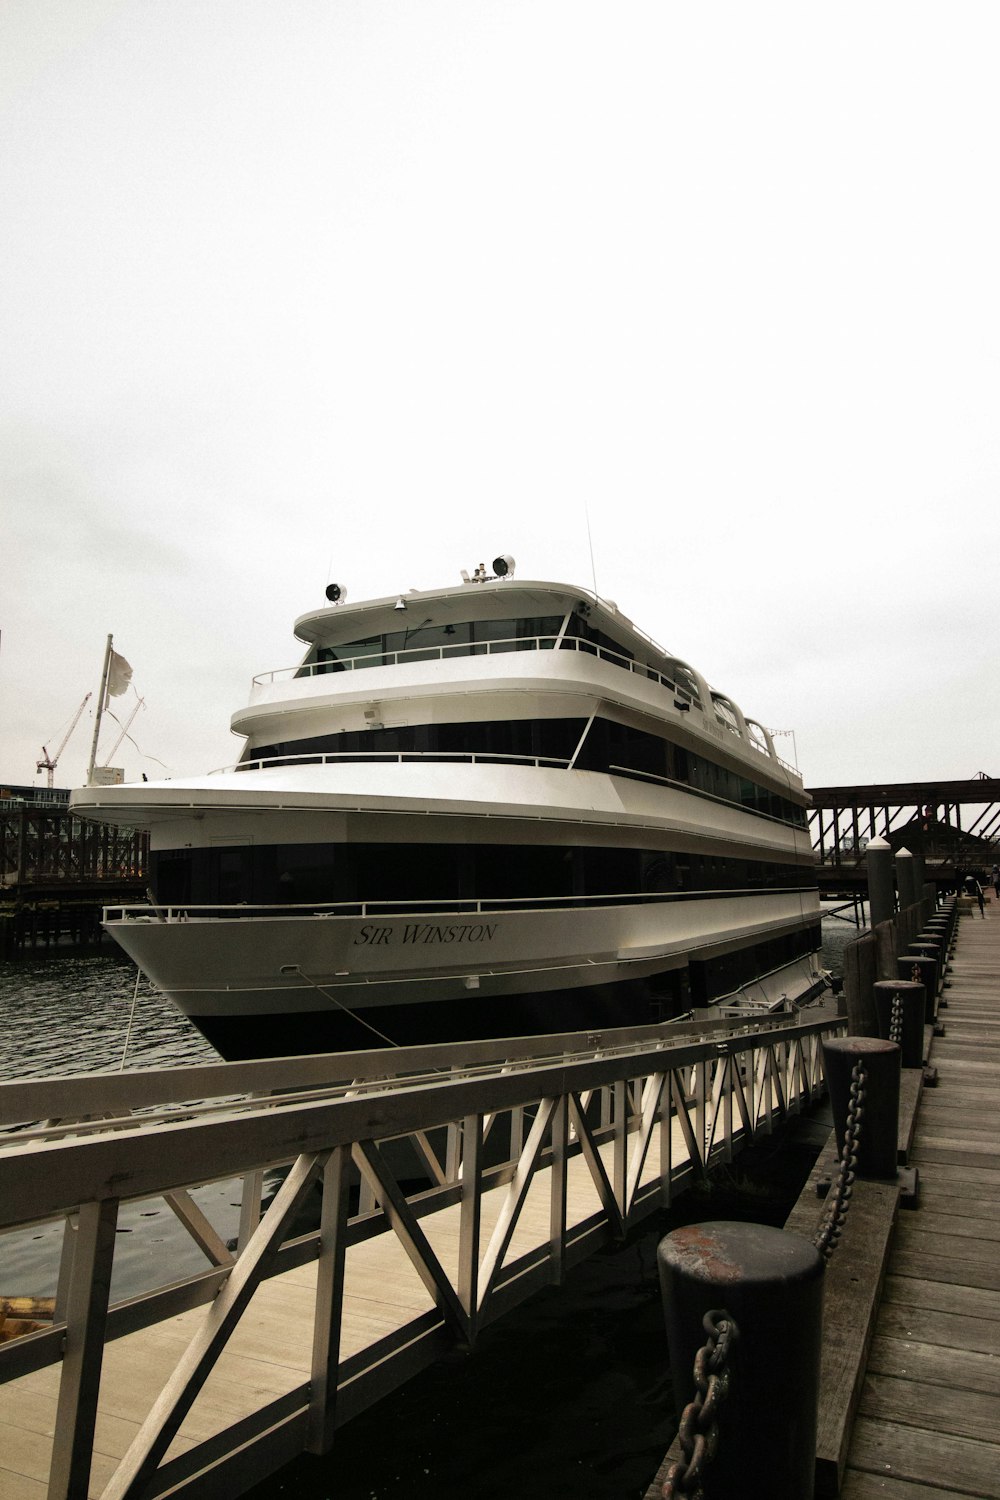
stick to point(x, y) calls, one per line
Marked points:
point(424, 642)
point(580, 629)
point(429, 641)
point(609, 747)
point(366, 653)
point(726, 716)
point(686, 684)
point(302, 874)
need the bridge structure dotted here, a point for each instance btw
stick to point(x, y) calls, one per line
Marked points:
point(57, 870)
point(955, 825)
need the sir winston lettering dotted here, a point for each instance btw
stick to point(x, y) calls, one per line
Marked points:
point(374, 936)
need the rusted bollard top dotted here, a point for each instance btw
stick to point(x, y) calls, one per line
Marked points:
point(721, 1254)
point(859, 1046)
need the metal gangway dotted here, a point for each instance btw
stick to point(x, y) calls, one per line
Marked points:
point(446, 1185)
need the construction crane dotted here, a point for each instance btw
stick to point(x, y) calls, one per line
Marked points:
point(49, 762)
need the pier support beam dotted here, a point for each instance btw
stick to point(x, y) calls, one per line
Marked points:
point(906, 879)
point(881, 896)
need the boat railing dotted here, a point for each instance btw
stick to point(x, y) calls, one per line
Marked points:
point(457, 906)
point(685, 786)
point(479, 648)
point(472, 757)
point(397, 757)
point(683, 695)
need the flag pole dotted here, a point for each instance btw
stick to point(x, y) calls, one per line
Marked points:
point(100, 709)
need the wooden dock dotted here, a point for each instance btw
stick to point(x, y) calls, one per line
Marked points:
point(909, 1403)
point(928, 1424)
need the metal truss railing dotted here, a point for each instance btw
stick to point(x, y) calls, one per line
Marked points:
point(638, 1116)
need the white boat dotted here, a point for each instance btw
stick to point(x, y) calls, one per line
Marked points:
point(487, 810)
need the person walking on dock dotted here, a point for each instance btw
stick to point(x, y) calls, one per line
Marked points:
point(973, 888)
point(995, 880)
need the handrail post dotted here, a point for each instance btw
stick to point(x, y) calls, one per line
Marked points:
point(80, 1379)
point(558, 1190)
point(470, 1227)
point(328, 1309)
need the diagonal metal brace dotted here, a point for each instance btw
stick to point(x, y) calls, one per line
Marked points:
point(174, 1402)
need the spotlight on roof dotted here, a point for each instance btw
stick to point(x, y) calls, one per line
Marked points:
point(336, 593)
point(503, 566)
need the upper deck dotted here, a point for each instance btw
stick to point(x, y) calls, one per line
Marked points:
point(394, 635)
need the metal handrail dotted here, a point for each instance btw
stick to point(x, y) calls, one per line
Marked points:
point(476, 648)
point(697, 791)
point(324, 757)
point(524, 642)
point(465, 757)
point(424, 906)
point(561, 1113)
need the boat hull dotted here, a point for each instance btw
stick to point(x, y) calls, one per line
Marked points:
point(291, 984)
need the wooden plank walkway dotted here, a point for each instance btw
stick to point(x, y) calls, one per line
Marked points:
point(928, 1424)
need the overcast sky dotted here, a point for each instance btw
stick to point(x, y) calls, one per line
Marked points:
point(295, 291)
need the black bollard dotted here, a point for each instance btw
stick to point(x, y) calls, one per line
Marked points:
point(916, 967)
point(928, 949)
point(934, 944)
point(878, 1145)
point(771, 1282)
point(911, 998)
point(940, 931)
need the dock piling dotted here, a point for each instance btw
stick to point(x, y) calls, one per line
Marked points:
point(877, 1146)
point(911, 1006)
point(770, 1283)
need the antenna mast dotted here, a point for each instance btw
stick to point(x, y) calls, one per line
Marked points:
point(590, 542)
point(100, 709)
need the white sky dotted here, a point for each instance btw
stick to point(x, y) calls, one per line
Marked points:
point(375, 291)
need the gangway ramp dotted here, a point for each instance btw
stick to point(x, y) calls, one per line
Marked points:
point(534, 1153)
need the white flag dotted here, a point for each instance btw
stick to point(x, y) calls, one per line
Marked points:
point(119, 675)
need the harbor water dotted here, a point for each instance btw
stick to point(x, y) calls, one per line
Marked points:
point(578, 1373)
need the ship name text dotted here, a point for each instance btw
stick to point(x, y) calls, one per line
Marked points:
point(374, 936)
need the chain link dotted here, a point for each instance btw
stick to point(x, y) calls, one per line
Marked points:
point(840, 1199)
point(699, 1427)
point(896, 1020)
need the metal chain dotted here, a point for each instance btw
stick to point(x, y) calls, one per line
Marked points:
point(840, 1199)
point(699, 1427)
point(896, 1020)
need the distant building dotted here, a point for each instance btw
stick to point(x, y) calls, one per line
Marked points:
point(44, 796)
